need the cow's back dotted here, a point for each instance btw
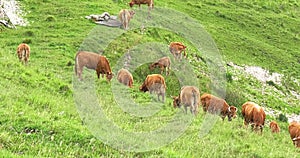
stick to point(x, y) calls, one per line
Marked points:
point(190, 95)
point(125, 77)
point(88, 59)
point(274, 127)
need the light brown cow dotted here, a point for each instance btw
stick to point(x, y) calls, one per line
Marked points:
point(189, 97)
point(176, 48)
point(125, 77)
point(155, 83)
point(274, 127)
point(294, 130)
point(163, 63)
point(253, 114)
point(125, 16)
point(103, 68)
point(23, 52)
point(215, 105)
point(91, 60)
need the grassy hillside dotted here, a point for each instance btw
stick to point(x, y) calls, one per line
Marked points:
point(40, 114)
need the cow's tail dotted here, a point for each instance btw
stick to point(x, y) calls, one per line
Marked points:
point(195, 100)
point(76, 64)
point(125, 19)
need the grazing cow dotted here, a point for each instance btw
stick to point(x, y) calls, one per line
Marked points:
point(162, 63)
point(125, 16)
point(274, 127)
point(155, 83)
point(125, 77)
point(253, 114)
point(23, 52)
point(294, 130)
point(104, 68)
point(139, 2)
point(91, 60)
point(176, 49)
point(189, 96)
point(215, 105)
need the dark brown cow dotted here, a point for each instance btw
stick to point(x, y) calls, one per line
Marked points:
point(155, 83)
point(254, 114)
point(104, 68)
point(215, 105)
point(294, 130)
point(23, 52)
point(176, 48)
point(92, 61)
point(139, 2)
point(189, 97)
point(125, 77)
point(163, 63)
point(274, 127)
point(125, 16)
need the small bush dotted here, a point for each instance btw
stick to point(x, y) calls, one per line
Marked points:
point(282, 118)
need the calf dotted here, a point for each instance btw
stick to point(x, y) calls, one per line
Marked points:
point(162, 63)
point(294, 130)
point(155, 83)
point(125, 16)
point(23, 52)
point(215, 105)
point(189, 97)
point(274, 127)
point(125, 77)
point(176, 48)
point(253, 114)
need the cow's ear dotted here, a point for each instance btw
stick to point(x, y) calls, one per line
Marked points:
point(236, 109)
point(228, 109)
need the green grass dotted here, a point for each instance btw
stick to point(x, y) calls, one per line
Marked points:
point(38, 113)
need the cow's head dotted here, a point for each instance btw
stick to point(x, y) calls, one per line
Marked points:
point(131, 4)
point(109, 76)
point(144, 88)
point(176, 101)
point(296, 141)
point(231, 112)
point(257, 127)
point(131, 12)
point(152, 66)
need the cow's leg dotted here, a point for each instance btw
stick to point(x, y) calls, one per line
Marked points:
point(185, 109)
point(162, 69)
point(167, 70)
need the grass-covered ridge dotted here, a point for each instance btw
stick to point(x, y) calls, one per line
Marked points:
point(38, 115)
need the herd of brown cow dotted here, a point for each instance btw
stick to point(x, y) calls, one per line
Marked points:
point(189, 96)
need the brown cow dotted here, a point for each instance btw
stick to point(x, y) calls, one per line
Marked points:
point(104, 68)
point(125, 16)
point(155, 83)
point(23, 52)
point(253, 114)
point(139, 2)
point(294, 130)
point(125, 77)
point(162, 63)
point(176, 48)
point(91, 60)
point(216, 105)
point(274, 127)
point(189, 97)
